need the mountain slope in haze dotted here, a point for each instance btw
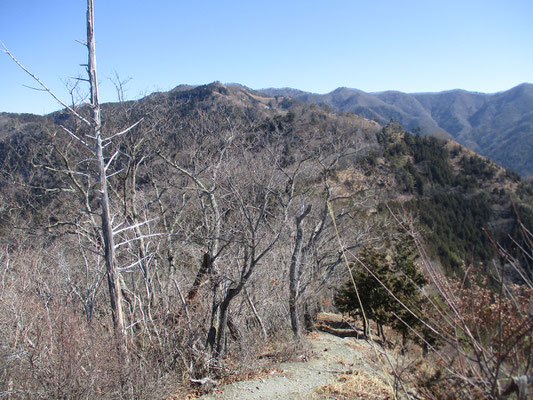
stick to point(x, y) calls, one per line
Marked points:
point(499, 125)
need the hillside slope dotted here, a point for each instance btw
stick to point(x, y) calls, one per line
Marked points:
point(387, 161)
point(499, 126)
point(226, 206)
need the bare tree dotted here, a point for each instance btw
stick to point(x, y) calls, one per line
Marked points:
point(107, 227)
point(314, 249)
point(240, 197)
point(96, 142)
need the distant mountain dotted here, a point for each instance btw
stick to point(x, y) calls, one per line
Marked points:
point(499, 125)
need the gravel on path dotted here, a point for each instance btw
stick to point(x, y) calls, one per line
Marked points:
point(330, 357)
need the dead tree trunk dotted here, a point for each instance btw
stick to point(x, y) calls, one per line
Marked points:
point(107, 228)
point(95, 141)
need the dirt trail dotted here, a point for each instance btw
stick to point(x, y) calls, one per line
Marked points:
point(330, 357)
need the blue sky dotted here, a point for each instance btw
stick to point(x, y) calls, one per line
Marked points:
point(406, 45)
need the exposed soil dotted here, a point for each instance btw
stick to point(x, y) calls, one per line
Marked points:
point(330, 358)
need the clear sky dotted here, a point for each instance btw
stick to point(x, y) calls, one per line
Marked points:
point(372, 45)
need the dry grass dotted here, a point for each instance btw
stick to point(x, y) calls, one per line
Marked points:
point(356, 385)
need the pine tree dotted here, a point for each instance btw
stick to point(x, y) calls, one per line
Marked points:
point(382, 283)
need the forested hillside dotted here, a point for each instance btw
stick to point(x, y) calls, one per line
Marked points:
point(227, 207)
point(498, 126)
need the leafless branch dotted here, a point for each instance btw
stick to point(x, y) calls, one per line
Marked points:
point(139, 261)
point(139, 238)
point(77, 138)
point(111, 160)
point(133, 226)
point(109, 139)
point(45, 88)
point(114, 173)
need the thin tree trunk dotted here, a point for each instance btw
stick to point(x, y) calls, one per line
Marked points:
point(207, 262)
point(222, 322)
point(256, 314)
point(294, 275)
point(404, 342)
point(381, 332)
point(223, 312)
point(293, 312)
point(223, 317)
point(107, 229)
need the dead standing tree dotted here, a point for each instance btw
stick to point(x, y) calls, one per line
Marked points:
point(96, 142)
point(107, 227)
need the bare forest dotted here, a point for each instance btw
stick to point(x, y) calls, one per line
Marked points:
point(149, 247)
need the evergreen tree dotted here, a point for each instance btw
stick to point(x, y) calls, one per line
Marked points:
point(382, 281)
point(406, 287)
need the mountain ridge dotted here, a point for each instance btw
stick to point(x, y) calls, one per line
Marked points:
point(497, 125)
point(386, 159)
